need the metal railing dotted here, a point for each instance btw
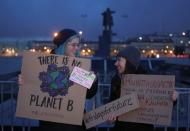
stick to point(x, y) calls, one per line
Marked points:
point(180, 114)
point(8, 97)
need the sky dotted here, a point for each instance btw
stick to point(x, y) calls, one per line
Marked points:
point(41, 18)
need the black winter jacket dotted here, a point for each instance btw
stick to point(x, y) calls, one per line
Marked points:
point(115, 94)
point(53, 126)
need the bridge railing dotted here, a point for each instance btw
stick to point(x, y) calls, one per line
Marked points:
point(180, 114)
point(8, 99)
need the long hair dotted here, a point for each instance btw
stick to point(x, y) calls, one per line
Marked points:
point(129, 68)
point(132, 69)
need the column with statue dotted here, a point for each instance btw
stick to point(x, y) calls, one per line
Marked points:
point(106, 38)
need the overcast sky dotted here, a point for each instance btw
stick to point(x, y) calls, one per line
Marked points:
point(40, 18)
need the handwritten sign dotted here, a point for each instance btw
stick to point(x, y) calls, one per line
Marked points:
point(47, 93)
point(82, 77)
point(154, 93)
point(115, 108)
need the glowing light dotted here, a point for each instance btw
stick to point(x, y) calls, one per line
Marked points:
point(80, 32)
point(13, 51)
point(183, 33)
point(89, 50)
point(140, 38)
point(157, 56)
point(114, 51)
point(45, 47)
point(32, 50)
point(83, 50)
point(48, 50)
point(55, 34)
point(152, 51)
point(7, 50)
point(170, 35)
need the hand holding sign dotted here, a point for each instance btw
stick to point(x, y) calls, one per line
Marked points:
point(82, 77)
point(110, 111)
point(47, 91)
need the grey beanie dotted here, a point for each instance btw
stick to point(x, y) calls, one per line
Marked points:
point(132, 54)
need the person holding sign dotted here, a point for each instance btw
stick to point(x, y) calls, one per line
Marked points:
point(128, 62)
point(67, 43)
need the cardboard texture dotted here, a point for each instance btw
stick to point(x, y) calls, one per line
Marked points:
point(154, 93)
point(47, 93)
point(115, 108)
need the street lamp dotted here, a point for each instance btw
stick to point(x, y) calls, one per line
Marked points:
point(80, 33)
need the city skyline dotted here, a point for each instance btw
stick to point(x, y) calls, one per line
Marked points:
point(40, 19)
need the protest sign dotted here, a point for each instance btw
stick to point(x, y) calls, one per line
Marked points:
point(47, 93)
point(154, 93)
point(82, 77)
point(115, 108)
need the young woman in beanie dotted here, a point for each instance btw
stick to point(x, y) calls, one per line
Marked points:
point(67, 43)
point(128, 62)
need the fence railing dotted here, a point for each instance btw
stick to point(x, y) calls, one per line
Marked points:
point(180, 114)
point(8, 98)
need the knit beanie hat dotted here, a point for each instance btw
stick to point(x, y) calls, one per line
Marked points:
point(63, 36)
point(61, 40)
point(132, 54)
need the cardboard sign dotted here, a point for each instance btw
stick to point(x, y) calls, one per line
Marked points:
point(82, 77)
point(115, 108)
point(47, 93)
point(154, 93)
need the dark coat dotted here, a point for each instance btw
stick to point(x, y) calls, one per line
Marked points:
point(115, 94)
point(53, 126)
